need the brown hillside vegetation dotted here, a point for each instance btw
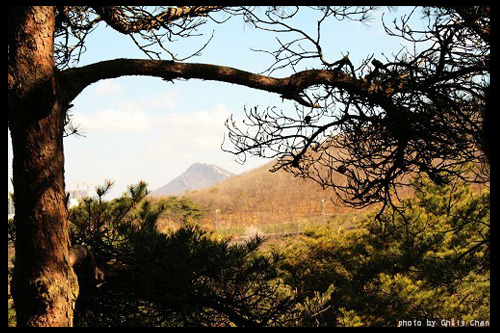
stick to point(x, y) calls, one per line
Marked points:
point(275, 202)
point(260, 198)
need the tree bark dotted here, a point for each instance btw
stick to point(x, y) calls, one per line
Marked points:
point(44, 285)
point(292, 87)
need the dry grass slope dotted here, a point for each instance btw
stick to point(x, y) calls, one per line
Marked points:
point(267, 201)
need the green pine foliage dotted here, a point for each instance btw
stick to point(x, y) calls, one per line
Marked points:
point(184, 277)
point(428, 260)
point(11, 237)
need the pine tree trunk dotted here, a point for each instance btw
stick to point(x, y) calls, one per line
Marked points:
point(44, 285)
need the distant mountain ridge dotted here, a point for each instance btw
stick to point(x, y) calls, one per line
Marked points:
point(197, 176)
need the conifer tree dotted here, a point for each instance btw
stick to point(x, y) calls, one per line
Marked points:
point(428, 261)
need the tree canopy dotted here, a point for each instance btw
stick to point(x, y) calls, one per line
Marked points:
point(423, 110)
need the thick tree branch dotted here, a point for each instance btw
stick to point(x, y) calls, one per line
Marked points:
point(75, 80)
point(118, 19)
point(89, 273)
point(477, 19)
point(83, 261)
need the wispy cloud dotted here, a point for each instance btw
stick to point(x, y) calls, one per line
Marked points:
point(108, 87)
point(166, 100)
point(187, 136)
point(129, 117)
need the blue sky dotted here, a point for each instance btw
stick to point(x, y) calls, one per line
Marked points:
point(139, 128)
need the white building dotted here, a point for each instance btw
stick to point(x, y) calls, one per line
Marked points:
point(81, 191)
point(75, 195)
point(10, 205)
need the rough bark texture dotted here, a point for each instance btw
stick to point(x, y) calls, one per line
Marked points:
point(291, 87)
point(118, 19)
point(44, 284)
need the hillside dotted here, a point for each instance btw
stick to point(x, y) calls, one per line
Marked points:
point(259, 198)
point(197, 176)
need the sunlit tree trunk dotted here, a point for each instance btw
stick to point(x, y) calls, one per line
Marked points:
point(44, 285)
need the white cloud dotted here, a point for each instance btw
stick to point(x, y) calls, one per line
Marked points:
point(166, 100)
point(108, 87)
point(131, 106)
point(188, 136)
point(128, 118)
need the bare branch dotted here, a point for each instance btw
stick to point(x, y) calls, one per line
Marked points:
point(421, 111)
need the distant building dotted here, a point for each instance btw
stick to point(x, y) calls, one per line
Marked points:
point(10, 205)
point(75, 196)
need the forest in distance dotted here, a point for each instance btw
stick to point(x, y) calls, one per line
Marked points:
point(374, 210)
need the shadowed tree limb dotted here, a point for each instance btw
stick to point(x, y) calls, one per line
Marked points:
point(117, 17)
point(76, 79)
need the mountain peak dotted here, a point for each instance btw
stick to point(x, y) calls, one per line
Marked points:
point(197, 176)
